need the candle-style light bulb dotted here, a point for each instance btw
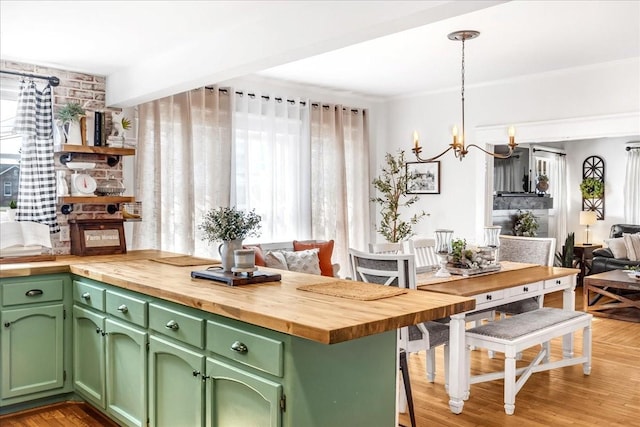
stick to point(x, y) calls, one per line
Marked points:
point(416, 144)
point(512, 135)
point(454, 132)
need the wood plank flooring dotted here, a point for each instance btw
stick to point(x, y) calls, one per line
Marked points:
point(610, 396)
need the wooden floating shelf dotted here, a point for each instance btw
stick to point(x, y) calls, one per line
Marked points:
point(97, 199)
point(114, 151)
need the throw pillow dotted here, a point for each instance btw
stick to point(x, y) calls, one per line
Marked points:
point(259, 255)
point(275, 259)
point(306, 261)
point(632, 243)
point(617, 246)
point(325, 252)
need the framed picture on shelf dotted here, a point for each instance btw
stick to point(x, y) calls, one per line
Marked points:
point(426, 178)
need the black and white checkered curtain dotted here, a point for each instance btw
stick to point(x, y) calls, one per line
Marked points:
point(37, 187)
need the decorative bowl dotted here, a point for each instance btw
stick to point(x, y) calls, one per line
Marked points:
point(110, 187)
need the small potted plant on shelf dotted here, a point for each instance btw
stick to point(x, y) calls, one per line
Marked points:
point(229, 226)
point(69, 117)
point(592, 188)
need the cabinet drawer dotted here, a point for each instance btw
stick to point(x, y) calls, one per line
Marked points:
point(32, 291)
point(127, 308)
point(181, 326)
point(489, 298)
point(257, 351)
point(529, 288)
point(560, 282)
point(89, 295)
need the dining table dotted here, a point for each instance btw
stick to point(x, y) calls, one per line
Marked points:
point(513, 282)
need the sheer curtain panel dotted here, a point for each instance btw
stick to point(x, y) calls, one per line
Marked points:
point(184, 168)
point(271, 143)
point(340, 178)
point(632, 186)
point(37, 199)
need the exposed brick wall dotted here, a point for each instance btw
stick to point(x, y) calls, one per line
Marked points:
point(89, 91)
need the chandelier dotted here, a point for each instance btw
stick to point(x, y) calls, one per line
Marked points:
point(458, 146)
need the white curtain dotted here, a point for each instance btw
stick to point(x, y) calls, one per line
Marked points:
point(558, 186)
point(272, 164)
point(632, 187)
point(183, 168)
point(340, 178)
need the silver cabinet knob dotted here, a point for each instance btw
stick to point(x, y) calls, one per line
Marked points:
point(173, 325)
point(239, 347)
point(86, 296)
point(123, 309)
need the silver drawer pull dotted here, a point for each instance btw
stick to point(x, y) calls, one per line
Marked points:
point(34, 292)
point(123, 309)
point(86, 296)
point(173, 325)
point(239, 347)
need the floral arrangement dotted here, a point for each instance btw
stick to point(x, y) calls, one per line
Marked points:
point(224, 224)
point(463, 256)
point(525, 224)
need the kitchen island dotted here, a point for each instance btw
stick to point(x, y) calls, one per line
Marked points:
point(268, 354)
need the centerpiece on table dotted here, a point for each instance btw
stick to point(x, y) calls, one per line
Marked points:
point(469, 260)
point(229, 226)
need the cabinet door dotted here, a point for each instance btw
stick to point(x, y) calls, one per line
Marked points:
point(237, 397)
point(126, 373)
point(88, 355)
point(175, 385)
point(27, 335)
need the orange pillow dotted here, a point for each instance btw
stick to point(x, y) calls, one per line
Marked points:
point(325, 251)
point(259, 256)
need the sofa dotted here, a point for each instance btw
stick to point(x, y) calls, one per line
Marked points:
point(615, 256)
point(304, 256)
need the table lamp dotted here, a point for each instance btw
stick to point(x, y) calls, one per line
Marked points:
point(588, 218)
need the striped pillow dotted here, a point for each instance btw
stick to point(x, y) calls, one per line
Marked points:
point(632, 243)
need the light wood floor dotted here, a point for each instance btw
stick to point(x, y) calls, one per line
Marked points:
point(610, 396)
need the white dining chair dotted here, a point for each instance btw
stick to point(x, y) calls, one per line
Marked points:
point(385, 248)
point(424, 250)
point(399, 270)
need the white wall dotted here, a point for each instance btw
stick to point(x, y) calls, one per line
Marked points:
point(605, 89)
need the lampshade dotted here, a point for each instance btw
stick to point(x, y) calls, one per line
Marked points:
point(588, 217)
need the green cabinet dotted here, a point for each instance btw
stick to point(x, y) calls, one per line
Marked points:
point(176, 387)
point(110, 355)
point(33, 324)
point(237, 397)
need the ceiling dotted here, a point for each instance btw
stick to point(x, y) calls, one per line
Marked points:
point(378, 49)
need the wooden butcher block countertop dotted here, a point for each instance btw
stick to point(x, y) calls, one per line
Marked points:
point(275, 305)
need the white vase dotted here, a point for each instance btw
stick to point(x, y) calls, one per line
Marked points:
point(226, 251)
point(72, 133)
point(11, 214)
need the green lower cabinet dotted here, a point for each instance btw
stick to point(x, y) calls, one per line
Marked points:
point(236, 397)
point(88, 355)
point(126, 373)
point(28, 334)
point(110, 366)
point(176, 388)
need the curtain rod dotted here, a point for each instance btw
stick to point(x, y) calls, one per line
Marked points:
point(548, 151)
point(53, 80)
point(632, 148)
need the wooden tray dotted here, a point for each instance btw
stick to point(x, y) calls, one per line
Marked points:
point(472, 271)
point(232, 280)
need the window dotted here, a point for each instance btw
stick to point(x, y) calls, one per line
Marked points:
point(9, 141)
point(272, 174)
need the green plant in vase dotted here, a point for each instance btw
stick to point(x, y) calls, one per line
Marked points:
point(525, 224)
point(392, 186)
point(564, 258)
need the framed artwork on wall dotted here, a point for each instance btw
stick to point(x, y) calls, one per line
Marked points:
point(426, 178)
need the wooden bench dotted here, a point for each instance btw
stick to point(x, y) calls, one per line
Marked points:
point(519, 332)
